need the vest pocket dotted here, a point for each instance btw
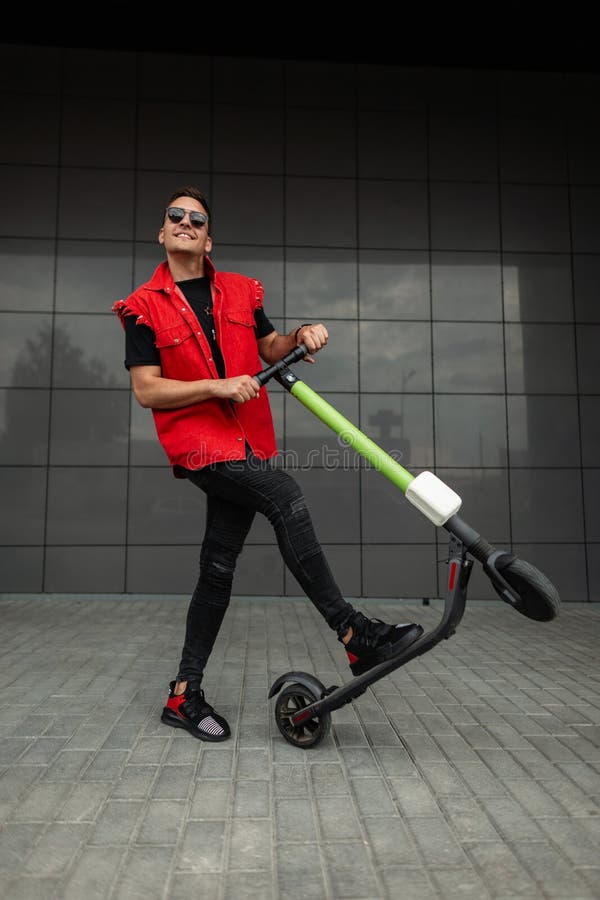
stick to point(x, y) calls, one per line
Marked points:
point(173, 337)
point(240, 317)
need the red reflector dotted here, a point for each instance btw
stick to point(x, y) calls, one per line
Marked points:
point(301, 716)
point(452, 576)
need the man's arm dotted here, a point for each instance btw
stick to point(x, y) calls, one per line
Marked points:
point(275, 346)
point(152, 391)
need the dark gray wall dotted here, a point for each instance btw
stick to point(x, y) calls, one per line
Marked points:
point(445, 224)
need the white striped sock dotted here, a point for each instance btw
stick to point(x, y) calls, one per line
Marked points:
point(209, 725)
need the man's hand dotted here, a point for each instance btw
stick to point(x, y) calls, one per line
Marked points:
point(275, 346)
point(314, 338)
point(239, 389)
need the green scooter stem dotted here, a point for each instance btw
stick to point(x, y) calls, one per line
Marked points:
point(351, 435)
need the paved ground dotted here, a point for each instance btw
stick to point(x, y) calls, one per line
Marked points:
point(472, 772)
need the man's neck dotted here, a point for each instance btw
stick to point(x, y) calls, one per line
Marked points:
point(183, 269)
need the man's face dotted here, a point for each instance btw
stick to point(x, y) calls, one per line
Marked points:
point(183, 237)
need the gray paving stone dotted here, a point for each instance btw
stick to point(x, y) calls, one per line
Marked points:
point(12, 748)
point(251, 798)
point(585, 776)
point(390, 842)
point(289, 780)
point(480, 780)
point(407, 724)
point(469, 822)
point(117, 822)
point(149, 750)
point(584, 748)
point(55, 849)
point(186, 885)
point(68, 765)
point(454, 747)
point(41, 802)
point(476, 736)
point(42, 751)
point(443, 778)
point(212, 799)
point(510, 819)
point(162, 822)
point(83, 803)
point(144, 873)
point(294, 820)
point(591, 876)
point(575, 840)
point(253, 764)
point(413, 797)
point(134, 782)
point(31, 726)
point(349, 871)
point(373, 797)
point(94, 873)
point(16, 841)
point(350, 735)
point(216, 763)
point(300, 873)
point(121, 737)
point(462, 884)
point(252, 885)
point(502, 763)
point(553, 749)
point(533, 797)
point(501, 871)
point(395, 761)
point(424, 748)
point(89, 736)
point(202, 848)
point(575, 801)
point(437, 842)
point(173, 782)
point(552, 871)
point(63, 725)
point(408, 882)
point(32, 887)
point(535, 764)
point(328, 779)
point(338, 819)
point(382, 734)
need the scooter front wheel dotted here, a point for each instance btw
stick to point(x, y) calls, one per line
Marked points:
point(308, 733)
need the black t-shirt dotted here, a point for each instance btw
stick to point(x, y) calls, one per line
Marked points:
point(140, 345)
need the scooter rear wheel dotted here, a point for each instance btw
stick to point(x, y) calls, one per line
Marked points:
point(308, 733)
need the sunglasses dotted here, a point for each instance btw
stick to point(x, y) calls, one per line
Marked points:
point(176, 215)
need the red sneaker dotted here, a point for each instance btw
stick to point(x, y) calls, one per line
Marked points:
point(191, 711)
point(373, 641)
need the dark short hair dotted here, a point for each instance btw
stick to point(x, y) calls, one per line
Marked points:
point(195, 194)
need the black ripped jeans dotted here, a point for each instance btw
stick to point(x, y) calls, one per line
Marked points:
point(235, 492)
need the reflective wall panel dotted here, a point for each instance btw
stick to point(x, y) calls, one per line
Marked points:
point(443, 223)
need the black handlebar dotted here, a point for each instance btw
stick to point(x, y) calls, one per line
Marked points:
point(296, 355)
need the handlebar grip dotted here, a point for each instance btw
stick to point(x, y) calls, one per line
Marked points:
point(296, 355)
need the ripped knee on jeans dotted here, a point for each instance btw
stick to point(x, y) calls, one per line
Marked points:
point(216, 574)
point(298, 506)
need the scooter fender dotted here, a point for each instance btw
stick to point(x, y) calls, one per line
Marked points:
point(313, 684)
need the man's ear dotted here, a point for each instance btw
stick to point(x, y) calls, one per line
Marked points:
point(208, 245)
point(161, 236)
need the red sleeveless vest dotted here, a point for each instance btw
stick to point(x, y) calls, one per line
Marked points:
point(214, 430)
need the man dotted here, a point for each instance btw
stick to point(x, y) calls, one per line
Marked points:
point(194, 337)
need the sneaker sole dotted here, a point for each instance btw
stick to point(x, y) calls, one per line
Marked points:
point(388, 651)
point(168, 717)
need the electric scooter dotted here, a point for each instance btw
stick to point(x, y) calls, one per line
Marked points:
point(303, 708)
